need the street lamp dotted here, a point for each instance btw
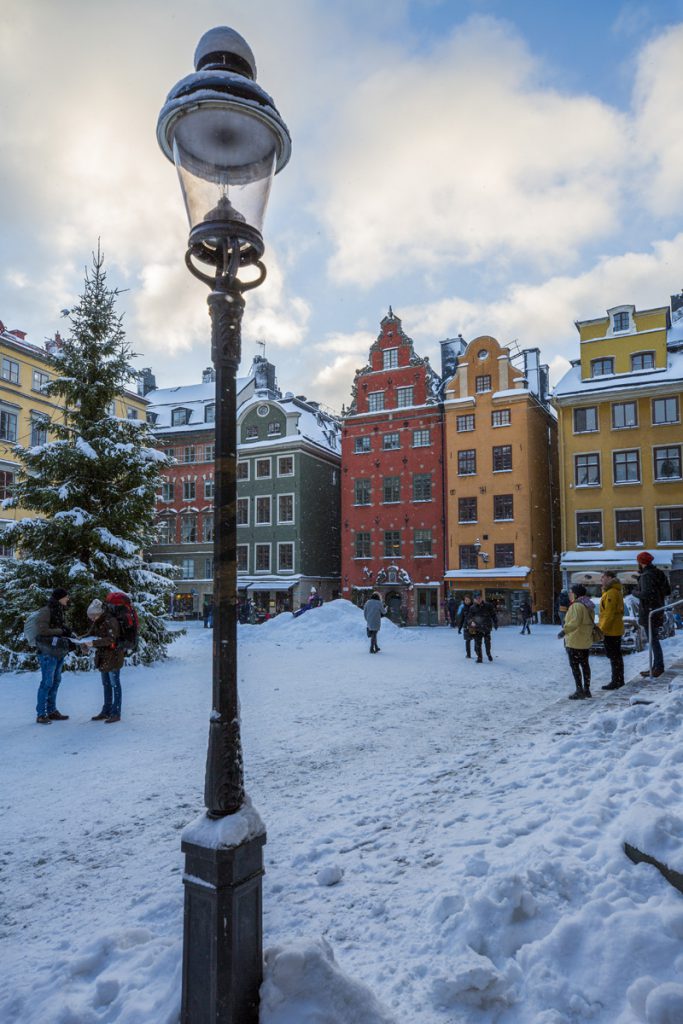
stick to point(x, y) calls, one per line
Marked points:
point(227, 141)
point(484, 555)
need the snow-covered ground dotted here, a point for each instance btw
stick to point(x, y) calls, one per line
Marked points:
point(445, 839)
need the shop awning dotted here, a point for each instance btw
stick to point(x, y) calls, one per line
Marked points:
point(514, 572)
point(596, 561)
point(271, 585)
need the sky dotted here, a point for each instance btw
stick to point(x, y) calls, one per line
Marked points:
point(481, 166)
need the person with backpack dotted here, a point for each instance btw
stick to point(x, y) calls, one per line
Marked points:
point(51, 634)
point(653, 589)
point(463, 616)
point(525, 613)
point(481, 621)
point(109, 657)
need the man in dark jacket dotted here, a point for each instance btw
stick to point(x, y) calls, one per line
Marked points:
point(653, 589)
point(463, 618)
point(482, 619)
point(452, 608)
point(53, 645)
point(525, 613)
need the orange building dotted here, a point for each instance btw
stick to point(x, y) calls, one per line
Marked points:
point(501, 473)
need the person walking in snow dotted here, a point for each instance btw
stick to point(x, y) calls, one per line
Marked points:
point(482, 619)
point(653, 589)
point(463, 617)
point(611, 622)
point(452, 609)
point(373, 612)
point(562, 605)
point(578, 639)
point(52, 642)
point(109, 657)
point(525, 614)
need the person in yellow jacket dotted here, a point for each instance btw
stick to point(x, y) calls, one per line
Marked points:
point(611, 622)
point(578, 639)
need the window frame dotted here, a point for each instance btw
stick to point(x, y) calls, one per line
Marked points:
point(259, 500)
point(598, 512)
point(626, 451)
point(391, 447)
point(362, 445)
point(393, 484)
point(209, 488)
point(406, 391)
point(629, 543)
point(507, 412)
point(263, 546)
point(242, 503)
point(586, 409)
point(598, 361)
point(587, 455)
point(364, 534)
point(392, 554)
point(365, 483)
point(239, 548)
point(665, 399)
point(641, 355)
point(187, 486)
point(421, 443)
point(419, 481)
point(280, 520)
point(167, 487)
point(263, 461)
point(376, 401)
point(467, 455)
point(465, 423)
point(281, 545)
point(10, 377)
point(390, 358)
point(12, 432)
point(506, 562)
point(502, 452)
point(622, 405)
point(659, 510)
point(184, 564)
point(667, 448)
point(192, 519)
point(42, 377)
point(468, 556)
point(417, 542)
point(481, 387)
point(476, 510)
point(510, 498)
point(280, 458)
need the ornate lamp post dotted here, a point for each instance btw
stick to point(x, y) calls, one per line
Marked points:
point(227, 141)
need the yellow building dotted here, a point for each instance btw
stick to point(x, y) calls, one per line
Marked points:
point(26, 412)
point(619, 412)
point(501, 480)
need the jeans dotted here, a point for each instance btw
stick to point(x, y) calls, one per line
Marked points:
point(657, 654)
point(578, 662)
point(50, 678)
point(616, 658)
point(111, 683)
point(526, 626)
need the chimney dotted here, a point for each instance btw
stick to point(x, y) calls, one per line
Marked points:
point(147, 381)
point(451, 350)
point(677, 306)
point(532, 370)
point(209, 375)
point(264, 373)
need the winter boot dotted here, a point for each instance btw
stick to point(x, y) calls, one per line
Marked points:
point(43, 720)
point(112, 718)
point(612, 686)
point(57, 716)
point(103, 715)
point(578, 694)
point(587, 691)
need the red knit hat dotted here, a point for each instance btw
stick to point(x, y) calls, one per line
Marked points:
point(644, 558)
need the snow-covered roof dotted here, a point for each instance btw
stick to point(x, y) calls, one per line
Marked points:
point(571, 383)
point(511, 573)
point(312, 424)
point(608, 559)
point(194, 397)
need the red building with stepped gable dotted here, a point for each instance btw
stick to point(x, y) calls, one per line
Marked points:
point(392, 482)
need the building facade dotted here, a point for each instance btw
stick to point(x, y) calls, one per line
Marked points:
point(392, 482)
point(501, 473)
point(619, 411)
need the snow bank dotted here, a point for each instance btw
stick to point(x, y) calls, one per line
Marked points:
point(332, 622)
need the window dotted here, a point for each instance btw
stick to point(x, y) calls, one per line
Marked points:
point(502, 458)
point(5, 550)
point(111, 411)
point(243, 558)
point(588, 529)
point(262, 411)
point(251, 433)
point(165, 533)
point(468, 556)
point(187, 568)
point(390, 442)
point(8, 426)
point(587, 470)
point(670, 525)
point(170, 452)
point(188, 454)
point(262, 552)
point(361, 445)
point(643, 361)
point(390, 359)
point(210, 454)
point(38, 431)
point(503, 556)
point(131, 413)
point(180, 417)
point(422, 486)
point(361, 492)
point(375, 401)
point(467, 510)
point(464, 423)
point(209, 489)
point(285, 508)
point(404, 397)
point(263, 469)
point(482, 383)
point(391, 489)
point(392, 543)
point(207, 527)
point(626, 467)
point(423, 543)
point(620, 322)
point(362, 545)
point(422, 438)
point(243, 511)
point(7, 479)
point(167, 490)
point(208, 568)
point(602, 367)
point(39, 380)
point(188, 528)
point(664, 410)
point(263, 510)
point(668, 463)
point(242, 470)
point(629, 525)
point(285, 465)
point(285, 557)
point(210, 413)
point(467, 462)
point(10, 370)
point(586, 419)
point(189, 490)
point(274, 428)
point(624, 415)
point(151, 417)
point(500, 418)
point(502, 507)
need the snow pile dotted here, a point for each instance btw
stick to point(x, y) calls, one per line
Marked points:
point(331, 622)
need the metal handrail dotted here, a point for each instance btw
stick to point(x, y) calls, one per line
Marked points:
point(654, 611)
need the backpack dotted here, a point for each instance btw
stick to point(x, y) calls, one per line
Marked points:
point(31, 629)
point(121, 607)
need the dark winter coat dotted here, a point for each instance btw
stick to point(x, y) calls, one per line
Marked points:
point(653, 588)
point(482, 618)
point(108, 656)
point(51, 623)
point(525, 610)
point(563, 601)
point(463, 615)
point(373, 611)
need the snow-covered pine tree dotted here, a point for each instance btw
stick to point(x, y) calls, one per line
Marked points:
point(93, 486)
